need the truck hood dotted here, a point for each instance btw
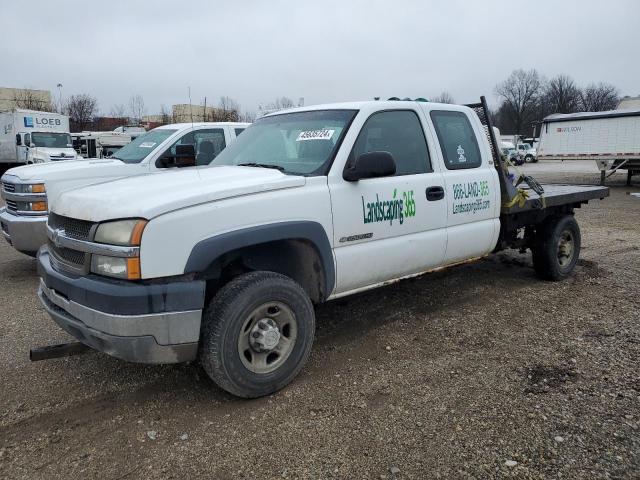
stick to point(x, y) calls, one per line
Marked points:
point(45, 172)
point(55, 153)
point(69, 174)
point(148, 196)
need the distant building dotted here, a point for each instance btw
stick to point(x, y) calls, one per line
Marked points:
point(195, 113)
point(153, 119)
point(629, 102)
point(11, 98)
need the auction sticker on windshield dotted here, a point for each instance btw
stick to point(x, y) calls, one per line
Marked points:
point(324, 134)
point(147, 144)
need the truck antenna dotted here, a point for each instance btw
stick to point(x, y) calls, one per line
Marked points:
point(190, 107)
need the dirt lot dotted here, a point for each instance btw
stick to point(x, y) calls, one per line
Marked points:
point(480, 371)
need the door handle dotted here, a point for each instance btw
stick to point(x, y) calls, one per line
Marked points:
point(435, 193)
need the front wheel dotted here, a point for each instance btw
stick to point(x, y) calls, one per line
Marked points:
point(257, 334)
point(529, 159)
point(557, 248)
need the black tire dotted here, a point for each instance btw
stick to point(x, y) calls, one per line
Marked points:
point(550, 258)
point(529, 159)
point(535, 160)
point(223, 322)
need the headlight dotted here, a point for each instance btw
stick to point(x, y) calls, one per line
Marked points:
point(118, 267)
point(121, 232)
point(37, 206)
point(127, 233)
point(34, 188)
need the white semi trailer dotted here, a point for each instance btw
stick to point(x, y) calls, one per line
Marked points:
point(29, 136)
point(611, 138)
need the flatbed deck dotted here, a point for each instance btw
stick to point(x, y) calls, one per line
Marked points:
point(558, 195)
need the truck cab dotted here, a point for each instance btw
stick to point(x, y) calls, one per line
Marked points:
point(527, 152)
point(27, 190)
point(41, 147)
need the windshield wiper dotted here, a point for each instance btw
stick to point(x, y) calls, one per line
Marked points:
point(261, 165)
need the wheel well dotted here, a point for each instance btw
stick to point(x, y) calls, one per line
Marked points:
point(296, 258)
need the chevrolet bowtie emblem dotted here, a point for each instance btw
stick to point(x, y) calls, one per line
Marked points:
point(57, 233)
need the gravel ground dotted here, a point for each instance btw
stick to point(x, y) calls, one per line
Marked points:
point(479, 371)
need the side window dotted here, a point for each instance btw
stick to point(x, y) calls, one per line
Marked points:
point(207, 144)
point(457, 140)
point(400, 133)
point(239, 131)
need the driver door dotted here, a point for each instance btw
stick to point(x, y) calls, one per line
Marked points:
point(386, 228)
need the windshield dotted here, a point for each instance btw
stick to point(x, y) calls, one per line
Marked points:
point(142, 146)
point(298, 143)
point(51, 140)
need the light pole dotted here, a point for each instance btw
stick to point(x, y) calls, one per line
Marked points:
point(60, 96)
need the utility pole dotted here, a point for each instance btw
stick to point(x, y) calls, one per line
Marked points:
point(204, 114)
point(60, 96)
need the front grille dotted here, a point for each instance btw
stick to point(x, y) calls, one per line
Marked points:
point(8, 187)
point(66, 259)
point(11, 206)
point(74, 228)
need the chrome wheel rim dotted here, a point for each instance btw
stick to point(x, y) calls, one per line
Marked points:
point(566, 248)
point(267, 337)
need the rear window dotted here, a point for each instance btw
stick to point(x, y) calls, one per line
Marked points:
point(457, 140)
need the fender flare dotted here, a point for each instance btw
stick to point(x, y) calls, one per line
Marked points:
point(206, 251)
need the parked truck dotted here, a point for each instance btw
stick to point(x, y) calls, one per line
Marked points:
point(27, 190)
point(611, 138)
point(99, 144)
point(225, 263)
point(29, 136)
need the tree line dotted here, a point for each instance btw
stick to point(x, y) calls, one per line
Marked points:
point(526, 98)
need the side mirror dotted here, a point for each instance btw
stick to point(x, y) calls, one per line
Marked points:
point(18, 139)
point(185, 155)
point(370, 165)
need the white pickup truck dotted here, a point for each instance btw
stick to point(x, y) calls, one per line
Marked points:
point(27, 189)
point(224, 263)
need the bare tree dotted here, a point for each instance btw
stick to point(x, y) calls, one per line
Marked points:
point(29, 99)
point(81, 110)
point(165, 115)
point(118, 111)
point(599, 97)
point(283, 102)
point(520, 93)
point(248, 117)
point(137, 108)
point(560, 95)
point(444, 97)
point(229, 109)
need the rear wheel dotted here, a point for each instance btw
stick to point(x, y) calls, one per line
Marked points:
point(557, 248)
point(257, 334)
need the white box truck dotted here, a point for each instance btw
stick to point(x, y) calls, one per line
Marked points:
point(28, 136)
point(611, 138)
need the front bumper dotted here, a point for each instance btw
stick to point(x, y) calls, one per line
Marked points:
point(25, 234)
point(152, 331)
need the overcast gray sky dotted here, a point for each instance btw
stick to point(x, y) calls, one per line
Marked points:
point(324, 51)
